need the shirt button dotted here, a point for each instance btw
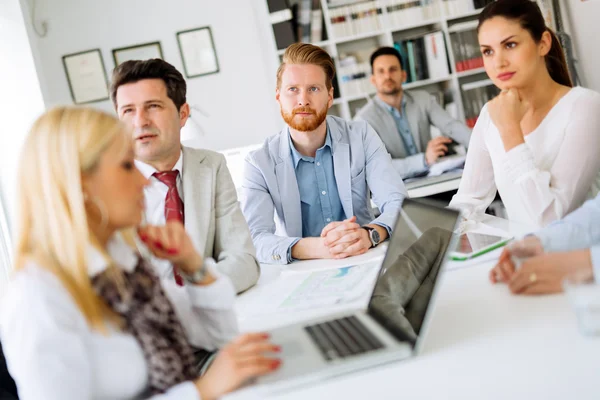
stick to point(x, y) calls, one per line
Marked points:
point(318, 164)
point(323, 193)
point(328, 219)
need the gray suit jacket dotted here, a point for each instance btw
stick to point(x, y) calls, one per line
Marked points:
point(422, 111)
point(271, 200)
point(213, 217)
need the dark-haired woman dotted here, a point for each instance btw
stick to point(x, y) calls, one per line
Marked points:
point(538, 141)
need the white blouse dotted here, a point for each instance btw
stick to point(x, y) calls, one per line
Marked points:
point(53, 354)
point(543, 179)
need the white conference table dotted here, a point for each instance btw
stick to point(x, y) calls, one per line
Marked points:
point(482, 343)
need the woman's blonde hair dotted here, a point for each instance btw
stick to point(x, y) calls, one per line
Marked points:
point(63, 144)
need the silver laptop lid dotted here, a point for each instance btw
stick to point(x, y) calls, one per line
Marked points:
point(415, 256)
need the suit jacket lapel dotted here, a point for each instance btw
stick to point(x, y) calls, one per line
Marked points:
point(341, 166)
point(288, 187)
point(197, 198)
point(412, 113)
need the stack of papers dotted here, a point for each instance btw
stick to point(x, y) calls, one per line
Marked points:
point(446, 164)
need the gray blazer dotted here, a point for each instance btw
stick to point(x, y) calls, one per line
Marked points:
point(271, 200)
point(213, 217)
point(422, 111)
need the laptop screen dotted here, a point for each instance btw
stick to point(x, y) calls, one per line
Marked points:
point(415, 256)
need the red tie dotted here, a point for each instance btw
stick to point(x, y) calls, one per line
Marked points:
point(173, 205)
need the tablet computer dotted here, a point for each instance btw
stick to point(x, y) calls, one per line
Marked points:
point(471, 245)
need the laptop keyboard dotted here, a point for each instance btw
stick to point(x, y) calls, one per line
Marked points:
point(343, 337)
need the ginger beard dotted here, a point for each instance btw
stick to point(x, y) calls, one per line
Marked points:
point(304, 123)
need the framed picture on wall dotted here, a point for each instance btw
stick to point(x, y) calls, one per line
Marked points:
point(144, 51)
point(86, 76)
point(198, 52)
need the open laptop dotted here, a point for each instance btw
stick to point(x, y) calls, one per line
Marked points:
point(393, 325)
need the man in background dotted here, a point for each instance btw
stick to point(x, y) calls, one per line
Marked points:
point(402, 119)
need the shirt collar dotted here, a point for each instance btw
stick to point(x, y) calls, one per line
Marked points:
point(118, 250)
point(148, 170)
point(296, 156)
point(390, 108)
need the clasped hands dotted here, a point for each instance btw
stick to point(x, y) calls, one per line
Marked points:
point(527, 269)
point(341, 239)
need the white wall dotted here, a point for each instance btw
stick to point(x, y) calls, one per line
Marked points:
point(583, 18)
point(239, 99)
point(21, 102)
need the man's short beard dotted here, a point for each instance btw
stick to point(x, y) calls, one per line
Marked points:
point(393, 92)
point(306, 124)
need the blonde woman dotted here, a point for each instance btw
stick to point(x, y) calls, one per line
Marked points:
point(85, 317)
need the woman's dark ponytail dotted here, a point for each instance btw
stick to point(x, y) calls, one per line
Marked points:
point(557, 64)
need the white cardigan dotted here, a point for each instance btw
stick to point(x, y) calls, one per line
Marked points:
point(543, 179)
point(54, 355)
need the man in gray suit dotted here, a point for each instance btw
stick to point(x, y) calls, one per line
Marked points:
point(151, 97)
point(402, 119)
point(306, 192)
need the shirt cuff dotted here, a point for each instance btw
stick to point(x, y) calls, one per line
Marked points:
point(595, 255)
point(552, 240)
point(185, 390)
point(289, 251)
point(219, 295)
point(519, 161)
point(425, 165)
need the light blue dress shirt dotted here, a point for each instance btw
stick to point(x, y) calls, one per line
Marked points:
point(578, 230)
point(403, 128)
point(319, 197)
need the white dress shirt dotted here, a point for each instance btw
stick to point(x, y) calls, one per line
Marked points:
point(543, 179)
point(155, 194)
point(53, 354)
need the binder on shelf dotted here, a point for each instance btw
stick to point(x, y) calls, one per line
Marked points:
point(424, 57)
point(475, 96)
point(284, 34)
point(465, 46)
point(316, 22)
point(421, 68)
point(437, 58)
point(277, 5)
point(412, 70)
point(282, 21)
point(304, 20)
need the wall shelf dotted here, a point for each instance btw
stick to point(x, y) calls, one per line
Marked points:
point(464, 18)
